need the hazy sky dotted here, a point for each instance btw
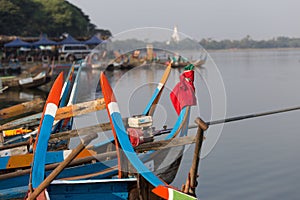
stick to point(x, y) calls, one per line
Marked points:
point(217, 19)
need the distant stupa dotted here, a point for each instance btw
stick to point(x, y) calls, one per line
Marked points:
point(175, 36)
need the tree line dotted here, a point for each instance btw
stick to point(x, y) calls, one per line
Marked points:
point(248, 42)
point(55, 17)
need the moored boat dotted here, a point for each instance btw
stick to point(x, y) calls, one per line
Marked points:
point(39, 79)
point(149, 158)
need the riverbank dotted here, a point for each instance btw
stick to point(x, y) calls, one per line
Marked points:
point(253, 49)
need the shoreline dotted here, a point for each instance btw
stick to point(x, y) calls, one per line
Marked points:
point(253, 49)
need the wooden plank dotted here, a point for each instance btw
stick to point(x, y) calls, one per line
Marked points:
point(80, 109)
point(35, 105)
point(64, 112)
point(25, 160)
point(164, 144)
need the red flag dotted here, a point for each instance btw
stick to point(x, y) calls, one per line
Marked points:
point(183, 93)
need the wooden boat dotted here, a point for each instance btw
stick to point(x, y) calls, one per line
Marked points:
point(105, 172)
point(155, 56)
point(14, 149)
point(123, 142)
point(30, 82)
point(35, 118)
point(77, 109)
point(197, 63)
point(126, 191)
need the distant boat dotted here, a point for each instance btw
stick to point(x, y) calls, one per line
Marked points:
point(30, 82)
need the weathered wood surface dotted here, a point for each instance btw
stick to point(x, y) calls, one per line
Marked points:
point(164, 144)
point(35, 105)
point(191, 182)
point(80, 109)
point(62, 113)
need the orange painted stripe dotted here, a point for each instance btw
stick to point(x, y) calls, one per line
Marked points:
point(110, 97)
point(161, 191)
point(54, 98)
point(18, 161)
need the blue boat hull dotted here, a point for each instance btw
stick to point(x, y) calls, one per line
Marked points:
point(113, 189)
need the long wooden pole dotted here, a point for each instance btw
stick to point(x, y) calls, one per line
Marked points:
point(233, 119)
point(106, 126)
point(61, 166)
point(191, 182)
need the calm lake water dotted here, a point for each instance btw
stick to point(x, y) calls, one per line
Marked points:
point(256, 158)
point(252, 159)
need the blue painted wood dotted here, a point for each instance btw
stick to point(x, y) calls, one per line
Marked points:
point(41, 145)
point(177, 124)
point(66, 87)
point(87, 169)
point(112, 189)
point(69, 122)
point(13, 193)
point(158, 90)
point(63, 99)
point(40, 152)
point(4, 161)
point(130, 153)
point(154, 96)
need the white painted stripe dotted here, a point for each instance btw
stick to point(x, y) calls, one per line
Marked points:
point(30, 134)
point(72, 94)
point(160, 85)
point(63, 90)
point(113, 107)
point(170, 190)
point(66, 153)
point(111, 180)
point(51, 109)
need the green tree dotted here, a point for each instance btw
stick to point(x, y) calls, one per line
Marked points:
point(32, 17)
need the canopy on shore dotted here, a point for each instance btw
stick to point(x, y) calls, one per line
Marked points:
point(70, 40)
point(93, 40)
point(44, 41)
point(18, 43)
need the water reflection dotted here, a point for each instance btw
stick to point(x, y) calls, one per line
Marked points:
point(11, 97)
